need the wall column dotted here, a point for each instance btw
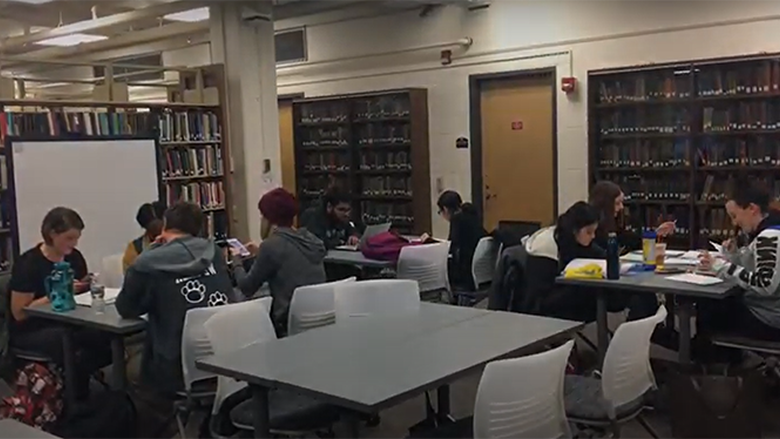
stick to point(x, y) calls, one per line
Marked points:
point(247, 51)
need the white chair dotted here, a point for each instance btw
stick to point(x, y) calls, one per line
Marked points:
point(112, 274)
point(625, 378)
point(484, 263)
point(425, 264)
point(523, 397)
point(373, 297)
point(313, 306)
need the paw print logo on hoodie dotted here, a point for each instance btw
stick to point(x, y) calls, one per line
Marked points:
point(217, 298)
point(193, 291)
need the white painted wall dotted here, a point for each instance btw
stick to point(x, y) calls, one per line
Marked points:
point(516, 35)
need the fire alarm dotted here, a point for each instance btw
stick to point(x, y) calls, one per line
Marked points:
point(446, 57)
point(569, 84)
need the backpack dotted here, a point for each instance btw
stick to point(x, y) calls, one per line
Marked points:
point(385, 246)
point(37, 397)
point(507, 292)
point(107, 414)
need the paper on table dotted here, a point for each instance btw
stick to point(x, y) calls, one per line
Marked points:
point(681, 261)
point(695, 279)
point(577, 263)
point(85, 299)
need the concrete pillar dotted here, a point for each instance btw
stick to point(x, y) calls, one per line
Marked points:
point(246, 48)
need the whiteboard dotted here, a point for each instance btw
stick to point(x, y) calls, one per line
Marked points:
point(105, 181)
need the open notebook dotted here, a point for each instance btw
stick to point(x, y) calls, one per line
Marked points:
point(85, 299)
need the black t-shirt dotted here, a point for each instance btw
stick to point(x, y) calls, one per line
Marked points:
point(28, 274)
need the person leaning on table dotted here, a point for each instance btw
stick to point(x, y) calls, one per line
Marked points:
point(755, 268)
point(60, 230)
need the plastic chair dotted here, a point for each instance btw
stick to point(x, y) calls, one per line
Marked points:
point(426, 264)
point(625, 378)
point(112, 275)
point(483, 266)
point(373, 297)
point(313, 306)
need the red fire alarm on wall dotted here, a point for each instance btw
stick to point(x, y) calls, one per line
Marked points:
point(569, 84)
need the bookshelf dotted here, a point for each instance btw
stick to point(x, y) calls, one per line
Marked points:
point(677, 137)
point(191, 145)
point(373, 145)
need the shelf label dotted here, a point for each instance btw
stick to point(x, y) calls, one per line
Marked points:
point(517, 125)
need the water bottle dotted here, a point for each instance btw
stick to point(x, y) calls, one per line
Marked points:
point(98, 293)
point(613, 257)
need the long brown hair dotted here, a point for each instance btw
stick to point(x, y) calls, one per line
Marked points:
point(602, 197)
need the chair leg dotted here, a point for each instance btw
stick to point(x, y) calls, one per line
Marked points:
point(615, 427)
point(646, 425)
point(587, 341)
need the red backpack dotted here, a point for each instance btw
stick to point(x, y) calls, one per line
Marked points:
point(37, 399)
point(385, 246)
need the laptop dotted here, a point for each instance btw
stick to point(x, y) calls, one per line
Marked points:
point(368, 233)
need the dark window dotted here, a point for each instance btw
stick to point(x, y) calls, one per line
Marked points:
point(147, 60)
point(290, 46)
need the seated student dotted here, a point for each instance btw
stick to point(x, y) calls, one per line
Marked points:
point(465, 232)
point(288, 258)
point(549, 252)
point(330, 220)
point(179, 272)
point(61, 230)
point(149, 217)
point(755, 268)
point(607, 198)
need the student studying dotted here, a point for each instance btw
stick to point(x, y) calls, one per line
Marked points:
point(330, 220)
point(149, 217)
point(465, 232)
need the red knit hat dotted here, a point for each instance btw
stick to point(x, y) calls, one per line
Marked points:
point(279, 207)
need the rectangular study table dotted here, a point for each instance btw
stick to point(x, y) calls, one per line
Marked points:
point(652, 283)
point(109, 321)
point(367, 364)
point(355, 258)
point(11, 429)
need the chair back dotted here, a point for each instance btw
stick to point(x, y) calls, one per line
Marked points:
point(484, 263)
point(233, 328)
point(376, 297)
point(112, 274)
point(313, 306)
point(426, 264)
point(195, 343)
point(627, 374)
point(523, 397)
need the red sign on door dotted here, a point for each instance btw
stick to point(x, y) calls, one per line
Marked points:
point(517, 125)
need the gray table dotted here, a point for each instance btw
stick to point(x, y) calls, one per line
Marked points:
point(652, 283)
point(10, 429)
point(109, 321)
point(356, 258)
point(372, 363)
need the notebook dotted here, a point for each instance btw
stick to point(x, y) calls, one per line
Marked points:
point(85, 299)
point(696, 279)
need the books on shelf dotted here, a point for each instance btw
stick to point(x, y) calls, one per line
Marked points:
point(193, 161)
point(189, 126)
point(646, 86)
point(760, 76)
point(87, 123)
point(209, 195)
point(656, 153)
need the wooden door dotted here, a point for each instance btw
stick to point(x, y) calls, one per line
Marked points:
point(518, 156)
point(286, 144)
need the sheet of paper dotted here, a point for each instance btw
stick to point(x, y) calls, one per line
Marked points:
point(717, 247)
point(632, 257)
point(681, 261)
point(695, 279)
point(85, 299)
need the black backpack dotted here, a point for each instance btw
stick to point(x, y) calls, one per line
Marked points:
point(107, 414)
point(507, 291)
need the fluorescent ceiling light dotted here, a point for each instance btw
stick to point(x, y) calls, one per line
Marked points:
point(71, 40)
point(33, 2)
point(191, 16)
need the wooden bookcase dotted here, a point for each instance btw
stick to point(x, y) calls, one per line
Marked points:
point(676, 137)
point(192, 147)
point(373, 145)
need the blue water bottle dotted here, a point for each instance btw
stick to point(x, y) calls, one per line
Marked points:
point(613, 257)
point(59, 287)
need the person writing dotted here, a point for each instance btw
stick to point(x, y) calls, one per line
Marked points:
point(61, 229)
point(465, 232)
point(149, 217)
point(288, 258)
point(330, 221)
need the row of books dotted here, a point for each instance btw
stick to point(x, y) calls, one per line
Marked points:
point(648, 218)
point(364, 109)
point(389, 186)
point(328, 136)
point(377, 213)
point(747, 78)
point(654, 188)
point(657, 153)
point(716, 223)
point(190, 126)
point(191, 162)
point(382, 107)
point(645, 120)
point(85, 123)
point(645, 86)
point(315, 186)
point(371, 135)
point(713, 189)
point(759, 115)
point(382, 161)
point(327, 162)
point(324, 112)
point(216, 225)
point(759, 151)
point(209, 195)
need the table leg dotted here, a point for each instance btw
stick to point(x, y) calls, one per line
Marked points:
point(684, 315)
point(602, 328)
point(670, 309)
point(353, 426)
point(118, 366)
point(443, 403)
point(69, 358)
point(261, 408)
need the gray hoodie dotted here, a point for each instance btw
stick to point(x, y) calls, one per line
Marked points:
point(287, 259)
point(165, 282)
